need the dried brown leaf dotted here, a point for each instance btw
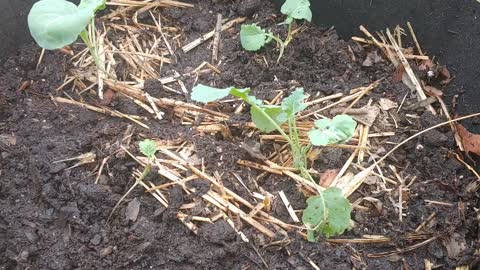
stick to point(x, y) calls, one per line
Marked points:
point(470, 141)
point(426, 65)
point(133, 208)
point(433, 91)
point(398, 74)
point(327, 177)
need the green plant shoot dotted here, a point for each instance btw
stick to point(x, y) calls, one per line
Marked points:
point(253, 37)
point(148, 148)
point(328, 212)
point(295, 10)
point(55, 24)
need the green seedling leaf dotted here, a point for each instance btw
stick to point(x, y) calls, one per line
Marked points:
point(260, 112)
point(262, 122)
point(328, 214)
point(205, 94)
point(57, 23)
point(253, 37)
point(330, 131)
point(293, 104)
point(148, 148)
point(297, 9)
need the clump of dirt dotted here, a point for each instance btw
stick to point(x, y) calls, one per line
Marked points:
point(54, 217)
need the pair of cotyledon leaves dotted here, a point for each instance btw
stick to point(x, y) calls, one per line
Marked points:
point(253, 37)
point(327, 131)
point(57, 23)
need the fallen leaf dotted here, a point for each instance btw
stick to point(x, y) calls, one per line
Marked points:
point(454, 245)
point(253, 150)
point(387, 104)
point(371, 180)
point(133, 208)
point(398, 74)
point(327, 177)
point(426, 65)
point(433, 91)
point(445, 72)
point(107, 97)
point(470, 141)
point(371, 59)
point(8, 140)
point(23, 86)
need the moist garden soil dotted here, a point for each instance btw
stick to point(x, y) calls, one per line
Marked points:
point(55, 217)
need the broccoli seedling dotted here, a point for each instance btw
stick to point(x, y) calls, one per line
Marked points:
point(295, 10)
point(55, 24)
point(148, 148)
point(328, 212)
point(253, 37)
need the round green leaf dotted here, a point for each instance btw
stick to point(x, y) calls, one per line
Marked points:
point(328, 214)
point(57, 23)
point(252, 37)
point(297, 9)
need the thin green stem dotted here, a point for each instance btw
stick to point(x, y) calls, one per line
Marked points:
point(280, 43)
point(289, 35)
point(91, 44)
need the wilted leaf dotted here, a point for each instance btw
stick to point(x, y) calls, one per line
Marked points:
point(432, 91)
point(398, 74)
point(8, 140)
point(387, 104)
point(426, 65)
point(133, 208)
point(327, 177)
point(455, 244)
point(371, 59)
point(470, 141)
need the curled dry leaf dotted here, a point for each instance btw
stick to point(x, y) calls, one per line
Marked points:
point(387, 104)
point(433, 91)
point(470, 141)
point(446, 74)
point(371, 59)
point(133, 208)
point(327, 177)
point(107, 97)
point(398, 74)
point(426, 65)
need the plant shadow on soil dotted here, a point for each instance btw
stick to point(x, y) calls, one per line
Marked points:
point(52, 217)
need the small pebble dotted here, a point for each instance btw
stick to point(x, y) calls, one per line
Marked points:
point(96, 240)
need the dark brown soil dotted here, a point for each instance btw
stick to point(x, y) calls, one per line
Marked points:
point(52, 217)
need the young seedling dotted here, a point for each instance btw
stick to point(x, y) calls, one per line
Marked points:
point(253, 37)
point(148, 148)
point(295, 10)
point(329, 212)
point(55, 24)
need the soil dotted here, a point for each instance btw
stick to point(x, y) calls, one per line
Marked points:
point(55, 217)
